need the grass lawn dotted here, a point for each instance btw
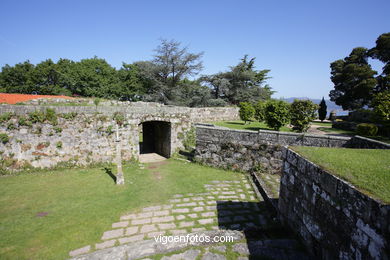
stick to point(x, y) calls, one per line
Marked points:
point(254, 126)
point(325, 124)
point(367, 169)
point(83, 203)
point(331, 130)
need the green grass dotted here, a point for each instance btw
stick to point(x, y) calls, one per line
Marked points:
point(329, 124)
point(331, 130)
point(83, 203)
point(254, 126)
point(367, 169)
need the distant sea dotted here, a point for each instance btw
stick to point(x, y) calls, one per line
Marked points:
point(330, 105)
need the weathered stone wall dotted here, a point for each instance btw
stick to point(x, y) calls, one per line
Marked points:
point(335, 220)
point(249, 150)
point(85, 139)
point(367, 143)
point(204, 114)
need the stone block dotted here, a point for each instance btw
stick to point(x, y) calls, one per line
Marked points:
point(113, 234)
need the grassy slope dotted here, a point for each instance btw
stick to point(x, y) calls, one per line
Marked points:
point(83, 203)
point(368, 170)
point(254, 126)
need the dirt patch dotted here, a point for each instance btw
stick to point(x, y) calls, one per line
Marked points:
point(157, 164)
point(42, 214)
point(157, 175)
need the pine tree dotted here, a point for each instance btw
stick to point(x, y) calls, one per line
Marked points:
point(322, 110)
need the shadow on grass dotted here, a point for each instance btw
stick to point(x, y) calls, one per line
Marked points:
point(109, 172)
point(235, 123)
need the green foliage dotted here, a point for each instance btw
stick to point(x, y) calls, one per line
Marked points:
point(5, 117)
point(276, 113)
point(322, 110)
point(71, 115)
point(96, 101)
point(37, 116)
point(4, 138)
point(119, 118)
point(51, 116)
point(246, 111)
point(367, 129)
point(11, 126)
point(381, 107)
point(57, 129)
point(40, 117)
point(259, 111)
point(109, 130)
point(164, 79)
point(242, 83)
point(59, 145)
point(381, 51)
point(353, 80)
point(190, 139)
point(23, 121)
point(302, 112)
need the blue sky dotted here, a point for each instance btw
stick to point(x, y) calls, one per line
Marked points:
point(296, 40)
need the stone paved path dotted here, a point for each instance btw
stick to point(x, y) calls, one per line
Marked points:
point(151, 158)
point(227, 205)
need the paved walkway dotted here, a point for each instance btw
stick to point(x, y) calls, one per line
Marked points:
point(227, 206)
point(151, 158)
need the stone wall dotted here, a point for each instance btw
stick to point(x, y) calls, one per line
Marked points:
point(249, 150)
point(367, 143)
point(86, 138)
point(335, 220)
point(203, 114)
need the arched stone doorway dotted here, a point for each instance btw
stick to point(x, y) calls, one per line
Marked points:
point(156, 138)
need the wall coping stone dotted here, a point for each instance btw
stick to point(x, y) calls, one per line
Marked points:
point(214, 127)
point(373, 141)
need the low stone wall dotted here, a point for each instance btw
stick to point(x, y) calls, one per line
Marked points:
point(135, 110)
point(367, 143)
point(250, 150)
point(335, 220)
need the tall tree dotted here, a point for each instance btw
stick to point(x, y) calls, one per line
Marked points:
point(17, 79)
point(322, 110)
point(353, 80)
point(242, 83)
point(382, 52)
point(175, 62)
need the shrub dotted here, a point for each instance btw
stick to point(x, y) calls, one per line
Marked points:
point(11, 126)
point(302, 112)
point(4, 138)
point(322, 110)
point(5, 117)
point(276, 113)
point(41, 117)
point(51, 116)
point(57, 129)
point(24, 122)
point(190, 139)
point(246, 111)
point(259, 111)
point(37, 116)
point(59, 145)
point(119, 118)
point(381, 106)
point(70, 115)
point(109, 130)
point(96, 101)
point(367, 129)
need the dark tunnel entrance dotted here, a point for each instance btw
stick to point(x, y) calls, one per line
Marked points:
point(156, 138)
